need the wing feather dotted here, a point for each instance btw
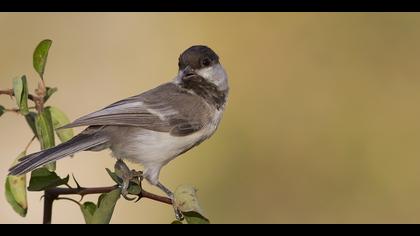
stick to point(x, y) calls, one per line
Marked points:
point(166, 108)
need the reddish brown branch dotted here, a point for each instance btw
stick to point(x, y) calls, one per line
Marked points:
point(11, 93)
point(39, 101)
point(54, 193)
point(145, 194)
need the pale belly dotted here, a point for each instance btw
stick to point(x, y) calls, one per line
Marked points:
point(151, 148)
point(155, 149)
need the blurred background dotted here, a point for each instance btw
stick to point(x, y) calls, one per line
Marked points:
point(322, 123)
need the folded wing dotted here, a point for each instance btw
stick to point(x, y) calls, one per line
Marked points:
point(166, 108)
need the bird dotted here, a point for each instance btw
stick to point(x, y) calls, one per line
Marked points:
point(153, 127)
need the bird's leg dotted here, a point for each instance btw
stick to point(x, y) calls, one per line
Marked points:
point(170, 194)
point(127, 175)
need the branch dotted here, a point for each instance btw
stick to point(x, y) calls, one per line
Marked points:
point(54, 193)
point(11, 94)
point(38, 100)
point(145, 194)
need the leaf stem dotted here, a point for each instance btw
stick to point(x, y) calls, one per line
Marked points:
point(29, 143)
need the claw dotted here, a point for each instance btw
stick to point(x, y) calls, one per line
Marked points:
point(178, 213)
point(127, 176)
point(128, 198)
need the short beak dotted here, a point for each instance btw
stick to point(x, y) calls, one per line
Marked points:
point(188, 71)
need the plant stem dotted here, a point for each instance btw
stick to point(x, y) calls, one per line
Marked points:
point(11, 93)
point(48, 205)
point(38, 100)
point(29, 143)
point(54, 193)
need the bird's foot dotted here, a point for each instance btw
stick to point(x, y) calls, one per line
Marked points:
point(178, 213)
point(127, 176)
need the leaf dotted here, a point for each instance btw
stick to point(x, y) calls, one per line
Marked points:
point(106, 205)
point(45, 131)
point(60, 119)
point(114, 176)
point(30, 119)
point(42, 179)
point(176, 222)
point(40, 56)
point(17, 207)
point(88, 210)
point(2, 110)
point(193, 217)
point(20, 90)
point(186, 199)
point(50, 91)
point(15, 189)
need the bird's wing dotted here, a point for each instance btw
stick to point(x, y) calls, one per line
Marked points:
point(166, 108)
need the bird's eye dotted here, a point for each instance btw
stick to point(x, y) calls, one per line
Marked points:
point(206, 62)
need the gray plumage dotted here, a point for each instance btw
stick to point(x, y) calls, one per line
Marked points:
point(153, 127)
point(136, 111)
point(83, 141)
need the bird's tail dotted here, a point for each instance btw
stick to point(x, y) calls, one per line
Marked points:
point(78, 143)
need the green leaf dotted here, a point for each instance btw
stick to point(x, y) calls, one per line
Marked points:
point(60, 119)
point(45, 131)
point(20, 90)
point(15, 189)
point(42, 179)
point(17, 207)
point(193, 217)
point(88, 210)
point(40, 56)
point(51, 166)
point(50, 91)
point(30, 119)
point(106, 205)
point(2, 110)
point(114, 176)
point(176, 222)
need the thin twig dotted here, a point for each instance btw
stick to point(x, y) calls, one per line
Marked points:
point(13, 110)
point(38, 100)
point(29, 143)
point(54, 194)
point(7, 92)
point(69, 199)
point(11, 94)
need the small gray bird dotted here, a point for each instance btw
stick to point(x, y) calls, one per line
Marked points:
point(154, 127)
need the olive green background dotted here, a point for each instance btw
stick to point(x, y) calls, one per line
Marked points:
point(322, 123)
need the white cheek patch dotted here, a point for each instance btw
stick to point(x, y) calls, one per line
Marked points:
point(216, 75)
